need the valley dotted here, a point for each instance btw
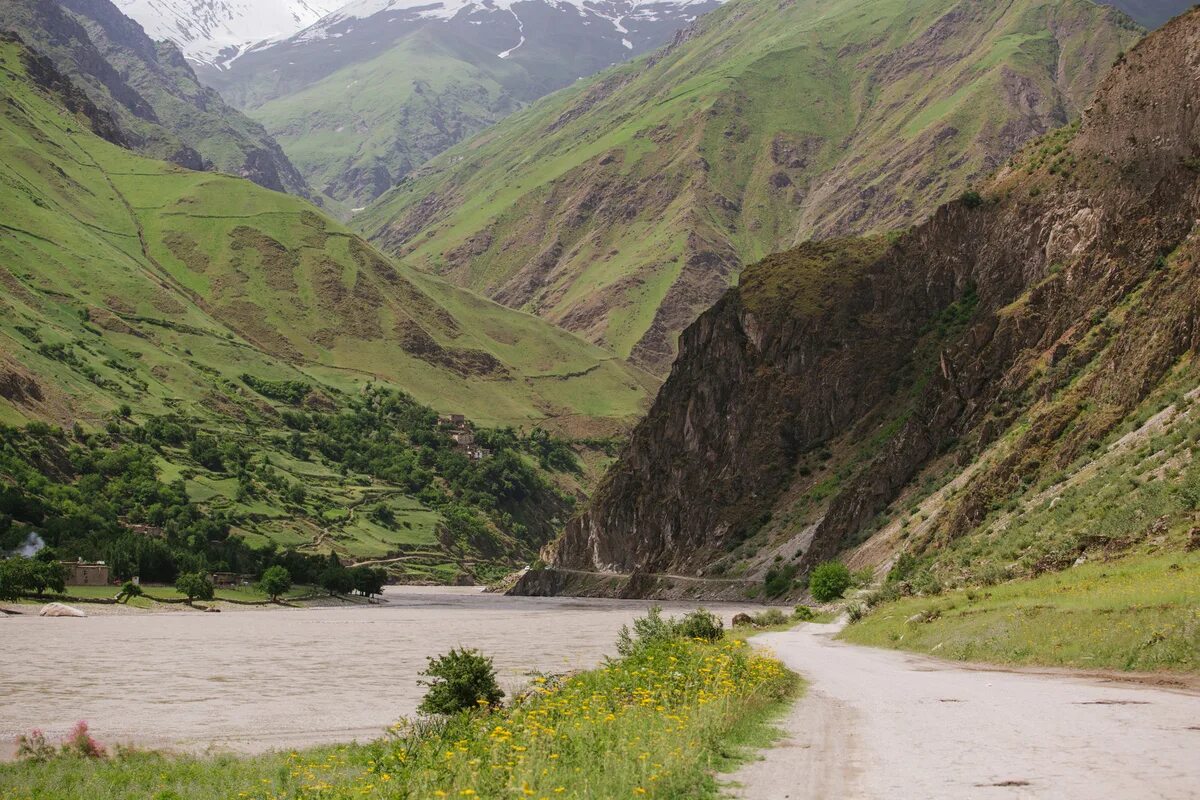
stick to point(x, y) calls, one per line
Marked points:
point(372, 373)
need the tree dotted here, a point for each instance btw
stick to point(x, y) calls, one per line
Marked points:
point(460, 680)
point(14, 578)
point(828, 581)
point(194, 586)
point(336, 580)
point(45, 575)
point(368, 581)
point(275, 581)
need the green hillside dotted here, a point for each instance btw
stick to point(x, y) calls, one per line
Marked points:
point(353, 131)
point(157, 106)
point(621, 207)
point(138, 295)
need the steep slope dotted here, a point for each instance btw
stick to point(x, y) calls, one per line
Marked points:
point(377, 88)
point(149, 90)
point(217, 31)
point(261, 350)
point(1002, 391)
point(622, 207)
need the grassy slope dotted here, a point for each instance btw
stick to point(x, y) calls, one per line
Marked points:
point(128, 281)
point(853, 104)
point(372, 116)
point(1137, 613)
point(234, 278)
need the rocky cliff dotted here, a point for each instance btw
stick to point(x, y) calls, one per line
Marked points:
point(960, 369)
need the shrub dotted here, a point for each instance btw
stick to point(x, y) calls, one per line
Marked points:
point(459, 681)
point(646, 630)
point(194, 586)
point(804, 614)
point(79, 742)
point(770, 618)
point(856, 611)
point(701, 624)
point(129, 590)
point(34, 747)
point(779, 580)
point(828, 581)
point(972, 199)
point(275, 581)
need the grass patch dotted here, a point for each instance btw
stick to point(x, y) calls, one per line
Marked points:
point(656, 723)
point(1140, 613)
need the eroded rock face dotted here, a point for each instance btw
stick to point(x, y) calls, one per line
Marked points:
point(1073, 284)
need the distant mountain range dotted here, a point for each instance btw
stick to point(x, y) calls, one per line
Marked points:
point(374, 90)
point(218, 31)
point(624, 206)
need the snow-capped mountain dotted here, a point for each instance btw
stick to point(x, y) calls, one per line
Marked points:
point(369, 92)
point(218, 31)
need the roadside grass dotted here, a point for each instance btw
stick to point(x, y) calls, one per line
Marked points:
point(657, 723)
point(1138, 613)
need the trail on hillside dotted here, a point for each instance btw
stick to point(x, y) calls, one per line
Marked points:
point(882, 724)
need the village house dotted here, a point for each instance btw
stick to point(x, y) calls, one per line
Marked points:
point(81, 573)
point(229, 580)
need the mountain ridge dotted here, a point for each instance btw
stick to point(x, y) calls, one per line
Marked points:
point(620, 208)
point(375, 89)
point(934, 404)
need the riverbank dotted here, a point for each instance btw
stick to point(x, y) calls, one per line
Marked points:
point(279, 678)
point(101, 600)
point(655, 723)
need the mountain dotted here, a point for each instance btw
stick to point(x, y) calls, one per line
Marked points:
point(374, 90)
point(214, 32)
point(1151, 13)
point(149, 90)
point(622, 207)
point(1004, 390)
point(287, 375)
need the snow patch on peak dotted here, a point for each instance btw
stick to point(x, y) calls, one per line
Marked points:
point(217, 31)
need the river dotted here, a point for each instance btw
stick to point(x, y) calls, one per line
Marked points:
point(256, 680)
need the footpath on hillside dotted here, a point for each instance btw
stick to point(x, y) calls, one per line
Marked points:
point(879, 724)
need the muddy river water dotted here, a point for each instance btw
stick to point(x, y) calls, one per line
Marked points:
point(254, 680)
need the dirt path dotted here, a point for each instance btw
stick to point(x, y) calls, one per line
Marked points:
point(881, 724)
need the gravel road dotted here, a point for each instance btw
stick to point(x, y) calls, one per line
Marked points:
point(878, 724)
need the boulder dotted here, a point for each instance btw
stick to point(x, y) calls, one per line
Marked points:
point(740, 620)
point(60, 610)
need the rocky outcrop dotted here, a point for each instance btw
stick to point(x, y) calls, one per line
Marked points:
point(1041, 312)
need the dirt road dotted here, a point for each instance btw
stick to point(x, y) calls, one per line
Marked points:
point(877, 724)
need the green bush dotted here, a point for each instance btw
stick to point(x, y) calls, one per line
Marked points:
point(779, 580)
point(770, 618)
point(654, 628)
point(129, 590)
point(701, 624)
point(459, 681)
point(194, 586)
point(828, 581)
point(972, 199)
point(804, 614)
